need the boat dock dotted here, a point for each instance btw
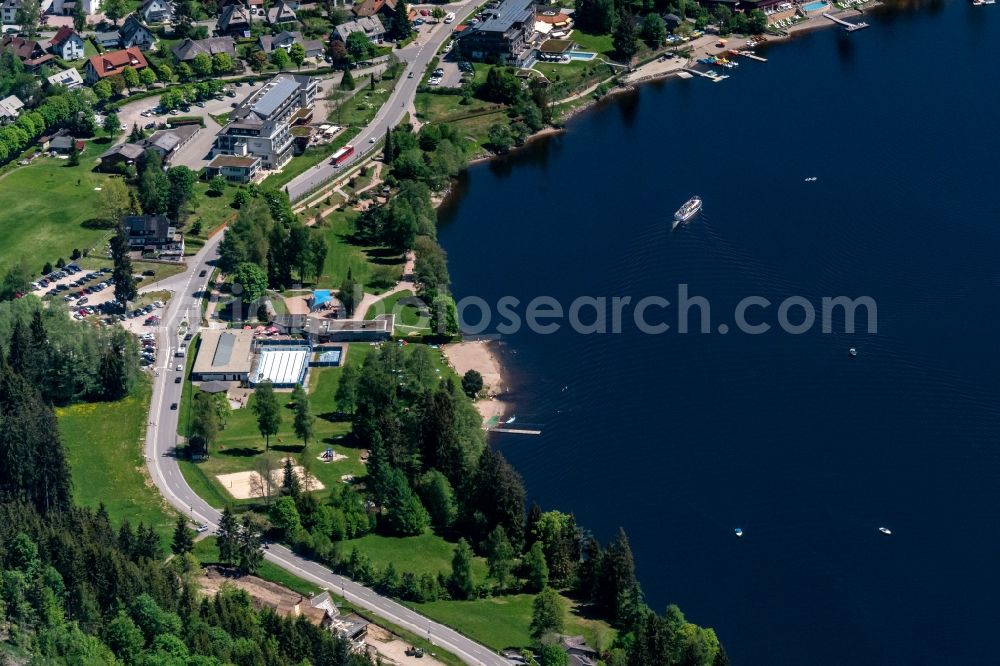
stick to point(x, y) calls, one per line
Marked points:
point(849, 27)
point(711, 75)
point(517, 431)
point(751, 55)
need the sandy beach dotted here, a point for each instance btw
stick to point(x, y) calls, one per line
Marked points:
point(478, 355)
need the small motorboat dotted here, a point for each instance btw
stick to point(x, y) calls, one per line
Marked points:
point(738, 531)
point(885, 530)
point(510, 420)
point(852, 352)
point(812, 179)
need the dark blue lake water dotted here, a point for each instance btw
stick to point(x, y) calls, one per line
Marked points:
point(682, 438)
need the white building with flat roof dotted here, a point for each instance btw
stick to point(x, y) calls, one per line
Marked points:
point(283, 366)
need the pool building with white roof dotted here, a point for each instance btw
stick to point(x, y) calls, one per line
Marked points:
point(283, 365)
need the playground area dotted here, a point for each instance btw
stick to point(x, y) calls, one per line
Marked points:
point(246, 485)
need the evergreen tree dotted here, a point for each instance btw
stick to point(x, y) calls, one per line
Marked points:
point(290, 484)
point(387, 149)
point(347, 82)
point(182, 542)
point(461, 584)
point(125, 290)
point(228, 537)
point(304, 420)
point(349, 294)
point(624, 39)
point(500, 558)
point(249, 555)
point(268, 412)
point(535, 570)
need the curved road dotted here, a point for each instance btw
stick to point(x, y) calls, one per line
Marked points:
point(161, 439)
point(400, 102)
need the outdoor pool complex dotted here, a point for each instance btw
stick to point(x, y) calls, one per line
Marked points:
point(815, 6)
point(283, 366)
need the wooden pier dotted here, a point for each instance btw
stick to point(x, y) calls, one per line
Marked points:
point(752, 56)
point(848, 27)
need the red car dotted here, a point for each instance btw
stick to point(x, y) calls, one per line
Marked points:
point(424, 12)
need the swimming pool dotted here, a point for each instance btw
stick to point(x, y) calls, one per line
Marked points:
point(815, 6)
point(580, 55)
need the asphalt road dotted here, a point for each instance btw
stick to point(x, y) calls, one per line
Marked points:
point(161, 439)
point(416, 57)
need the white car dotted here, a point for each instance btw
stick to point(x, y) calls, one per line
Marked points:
point(180, 368)
point(371, 140)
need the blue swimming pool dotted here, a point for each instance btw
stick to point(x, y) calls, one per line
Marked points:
point(580, 55)
point(815, 6)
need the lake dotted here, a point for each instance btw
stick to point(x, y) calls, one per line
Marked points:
point(680, 438)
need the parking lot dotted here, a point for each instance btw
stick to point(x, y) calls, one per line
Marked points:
point(196, 153)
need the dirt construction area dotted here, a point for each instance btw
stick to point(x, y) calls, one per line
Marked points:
point(392, 649)
point(244, 485)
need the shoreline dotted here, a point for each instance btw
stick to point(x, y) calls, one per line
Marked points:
point(479, 355)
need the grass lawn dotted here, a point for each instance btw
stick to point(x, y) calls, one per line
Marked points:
point(571, 77)
point(434, 108)
point(427, 553)
point(213, 211)
point(476, 129)
point(376, 268)
point(408, 316)
point(601, 44)
point(503, 622)
point(57, 199)
point(104, 446)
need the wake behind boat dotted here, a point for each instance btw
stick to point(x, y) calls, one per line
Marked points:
point(687, 211)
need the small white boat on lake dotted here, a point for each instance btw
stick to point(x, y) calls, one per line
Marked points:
point(885, 530)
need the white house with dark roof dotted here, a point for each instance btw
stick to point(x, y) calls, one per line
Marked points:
point(134, 33)
point(261, 125)
point(156, 11)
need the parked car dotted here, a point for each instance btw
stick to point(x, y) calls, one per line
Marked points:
point(177, 380)
point(173, 405)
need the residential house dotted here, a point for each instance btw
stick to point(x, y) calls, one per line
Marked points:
point(280, 13)
point(109, 39)
point(10, 109)
point(385, 8)
point(577, 651)
point(234, 19)
point(68, 77)
point(67, 44)
point(152, 233)
point(165, 142)
point(62, 142)
point(156, 11)
point(134, 33)
point(28, 51)
point(189, 48)
point(261, 125)
point(241, 169)
point(315, 48)
point(168, 142)
point(66, 7)
point(113, 62)
point(116, 159)
point(504, 35)
point(282, 40)
point(370, 26)
point(9, 11)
